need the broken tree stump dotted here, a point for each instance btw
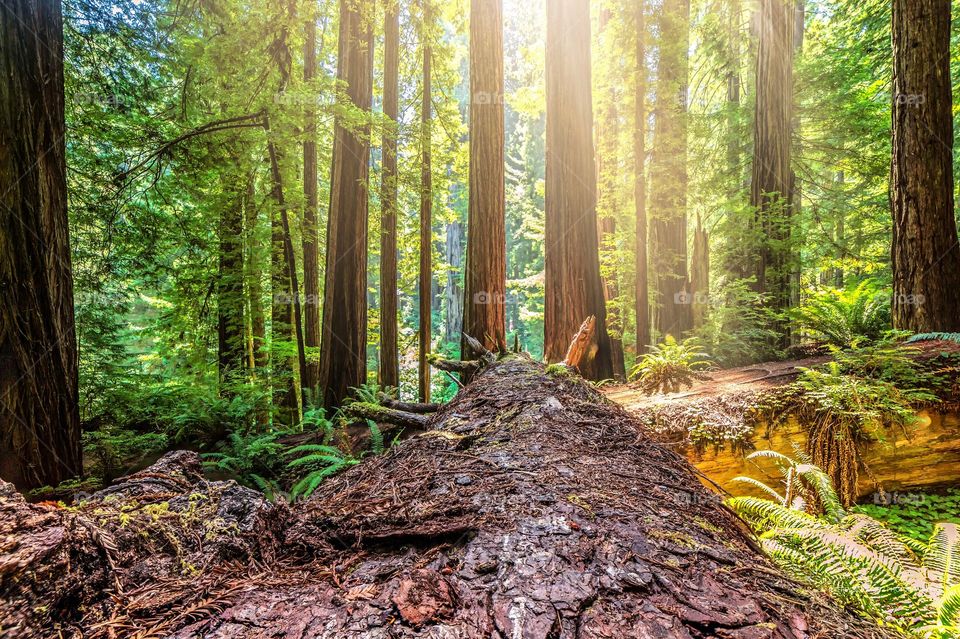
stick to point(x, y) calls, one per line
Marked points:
point(532, 508)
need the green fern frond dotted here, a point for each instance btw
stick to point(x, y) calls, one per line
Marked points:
point(759, 485)
point(764, 514)
point(942, 559)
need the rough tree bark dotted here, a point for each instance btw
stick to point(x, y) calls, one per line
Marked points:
point(573, 289)
point(771, 189)
point(343, 344)
point(642, 293)
point(39, 414)
point(530, 507)
point(425, 288)
point(389, 349)
point(311, 263)
point(925, 253)
point(485, 276)
point(668, 173)
point(230, 301)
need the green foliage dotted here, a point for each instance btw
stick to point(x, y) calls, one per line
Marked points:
point(928, 337)
point(845, 317)
point(111, 450)
point(737, 325)
point(252, 458)
point(671, 365)
point(912, 515)
point(900, 584)
point(315, 463)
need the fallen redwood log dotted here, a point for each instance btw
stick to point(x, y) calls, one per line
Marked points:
point(531, 509)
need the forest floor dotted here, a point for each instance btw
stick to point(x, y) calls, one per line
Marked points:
point(529, 508)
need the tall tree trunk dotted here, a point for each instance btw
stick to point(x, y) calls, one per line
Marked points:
point(642, 292)
point(258, 353)
point(389, 350)
point(230, 302)
point(343, 361)
point(283, 377)
point(311, 264)
point(840, 239)
point(925, 253)
point(484, 312)
point(426, 211)
point(573, 288)
point(39, 412)
point(292, 285)
point(608, 173)
point(453, 293)
point(737, 245)
point(668, 173)
point(700, 273)
point(771, 192)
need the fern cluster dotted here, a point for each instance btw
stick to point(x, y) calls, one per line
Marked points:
point(671, 366)
point(900, 583)
point(844, 317)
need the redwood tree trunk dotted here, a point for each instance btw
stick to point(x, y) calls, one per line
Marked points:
point(574, 290)
point(668, 199)
point(389, 362)
point(925, 255)
point(343, 362)
point(230, 302)
point(311, 275)
point(39, 414)
point(771, 191)
point(640, 187)
point(484, 306)
point(426, 214)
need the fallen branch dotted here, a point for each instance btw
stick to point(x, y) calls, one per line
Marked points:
point(382, 414)
point(466, 367)
point(407, 407)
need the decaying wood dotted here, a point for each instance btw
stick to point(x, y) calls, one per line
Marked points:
point(386, 415)
point(580, 344)
point(532, 508)
point(454, 366)
point(409, 407)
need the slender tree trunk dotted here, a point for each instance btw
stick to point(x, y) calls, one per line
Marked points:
point(642, 292)
point(230, 303)
point(39, 412)
point(292, 285)
point(389, 351)
point(453, 293)
point(737, 241)
point(484, 312)
point(311, 264)
point(925, 253)
point(343, 362)
point(259, 354)
point(840, 238)
point(700, 273)
point(668, 200)
point(772, 183)
point(573, 288)
point(426, 212)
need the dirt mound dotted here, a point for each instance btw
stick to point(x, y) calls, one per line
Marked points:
point(532, 509)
